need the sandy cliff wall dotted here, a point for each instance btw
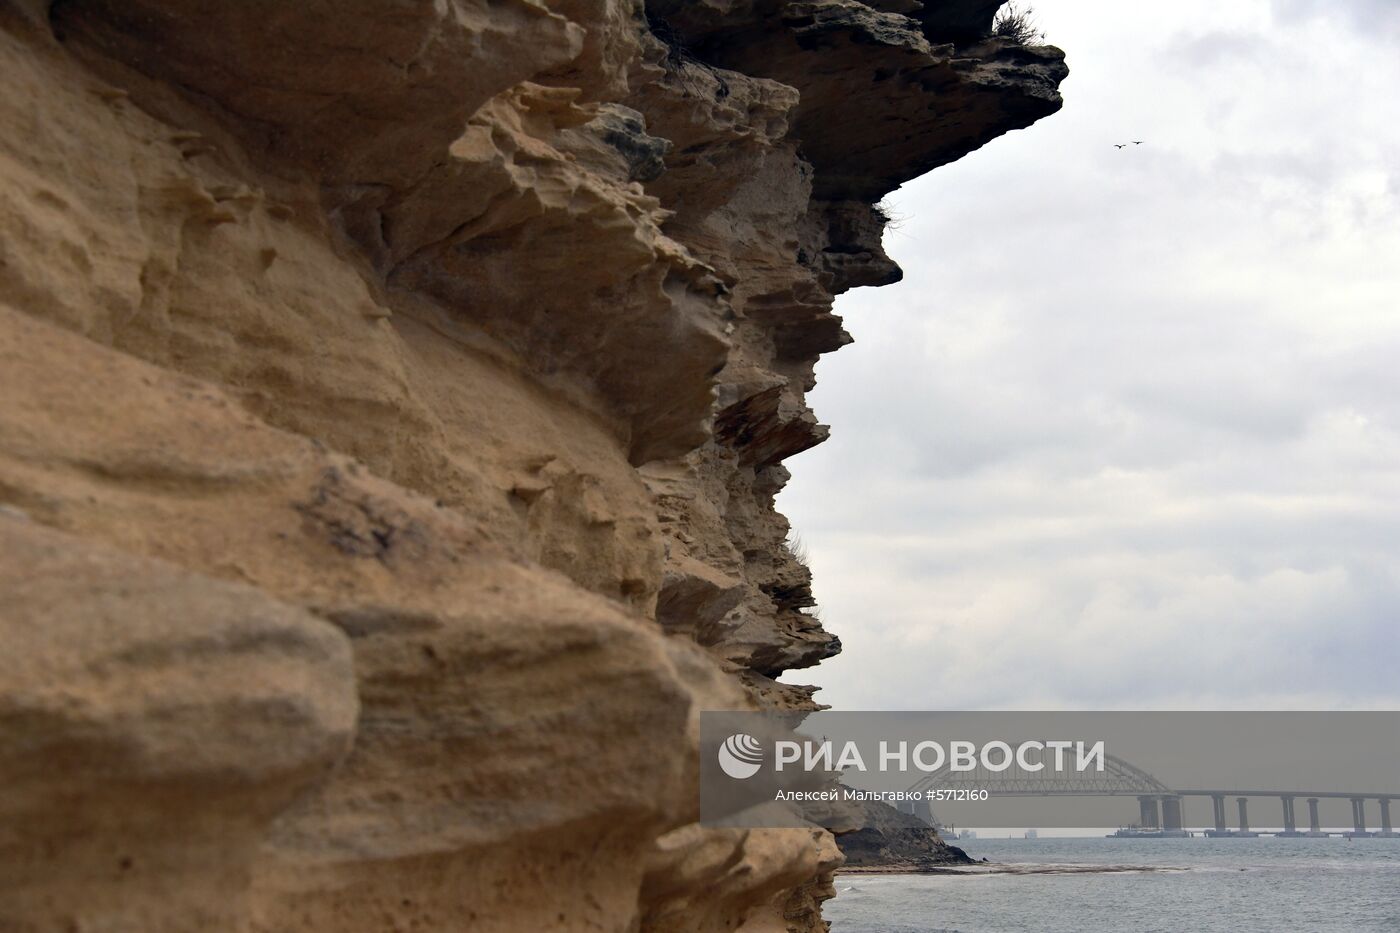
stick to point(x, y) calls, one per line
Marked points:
point(394, 397)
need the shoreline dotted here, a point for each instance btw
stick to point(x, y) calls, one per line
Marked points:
point(993, 868)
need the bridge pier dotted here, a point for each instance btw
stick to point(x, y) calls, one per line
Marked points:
point(1147, 813)
point(1358, 817)
point(1244, 817)
point(1386, 829)
point(1171, 814)
point(1290, 819)
point(1314, 822)
point(1218, 806)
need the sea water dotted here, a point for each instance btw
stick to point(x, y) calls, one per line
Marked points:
point(1263, 885)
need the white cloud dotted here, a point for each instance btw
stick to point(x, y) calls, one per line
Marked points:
point(1128, 434)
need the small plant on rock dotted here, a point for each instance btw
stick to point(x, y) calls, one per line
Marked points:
point(886, 214)
point(796, 547)
point(1018, 25)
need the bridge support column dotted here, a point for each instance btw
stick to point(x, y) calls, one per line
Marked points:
point(1244, 814)
point(1218, 805)
point(1171, 814)
point(1386, 828)
point(1147, 813)
point(1314, 823)
point(1290, 819)
point(1358, 816)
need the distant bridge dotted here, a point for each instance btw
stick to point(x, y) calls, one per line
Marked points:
point(1159, 805)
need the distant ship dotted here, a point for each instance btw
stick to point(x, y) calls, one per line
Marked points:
point(1137, 832)
point(1032, 834)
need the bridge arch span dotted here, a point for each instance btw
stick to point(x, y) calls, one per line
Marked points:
point(1118, 778)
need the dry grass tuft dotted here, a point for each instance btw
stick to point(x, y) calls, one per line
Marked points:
point(796, 547)
point(1018, 25)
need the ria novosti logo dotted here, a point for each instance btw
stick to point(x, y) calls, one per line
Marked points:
point(740, 756)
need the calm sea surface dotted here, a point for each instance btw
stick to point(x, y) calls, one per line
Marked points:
point(1263, 885)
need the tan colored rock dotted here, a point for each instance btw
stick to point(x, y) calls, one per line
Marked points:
point(751, 880)
point(369, 94)
point(119, 248)
point(475, 333)
point(153, 723)
point(470, 667)
point(508, 189)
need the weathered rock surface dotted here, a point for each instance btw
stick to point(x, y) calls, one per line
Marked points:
point(154, 722)
point(395, 395)
point(889, 838)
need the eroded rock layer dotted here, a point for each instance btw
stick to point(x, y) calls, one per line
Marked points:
point(395, 395)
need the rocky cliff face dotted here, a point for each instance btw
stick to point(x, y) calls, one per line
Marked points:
point(395, 394)
point(891, 840)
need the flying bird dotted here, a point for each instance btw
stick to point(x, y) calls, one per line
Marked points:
point(1137, 142)
point(1120, 145)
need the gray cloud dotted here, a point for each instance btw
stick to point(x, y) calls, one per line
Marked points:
point(1128, 434)
point(1369, 16)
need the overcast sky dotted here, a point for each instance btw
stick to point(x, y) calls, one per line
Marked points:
point(1128, 433)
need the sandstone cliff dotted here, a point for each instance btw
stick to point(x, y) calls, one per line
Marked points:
point(394, 398)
